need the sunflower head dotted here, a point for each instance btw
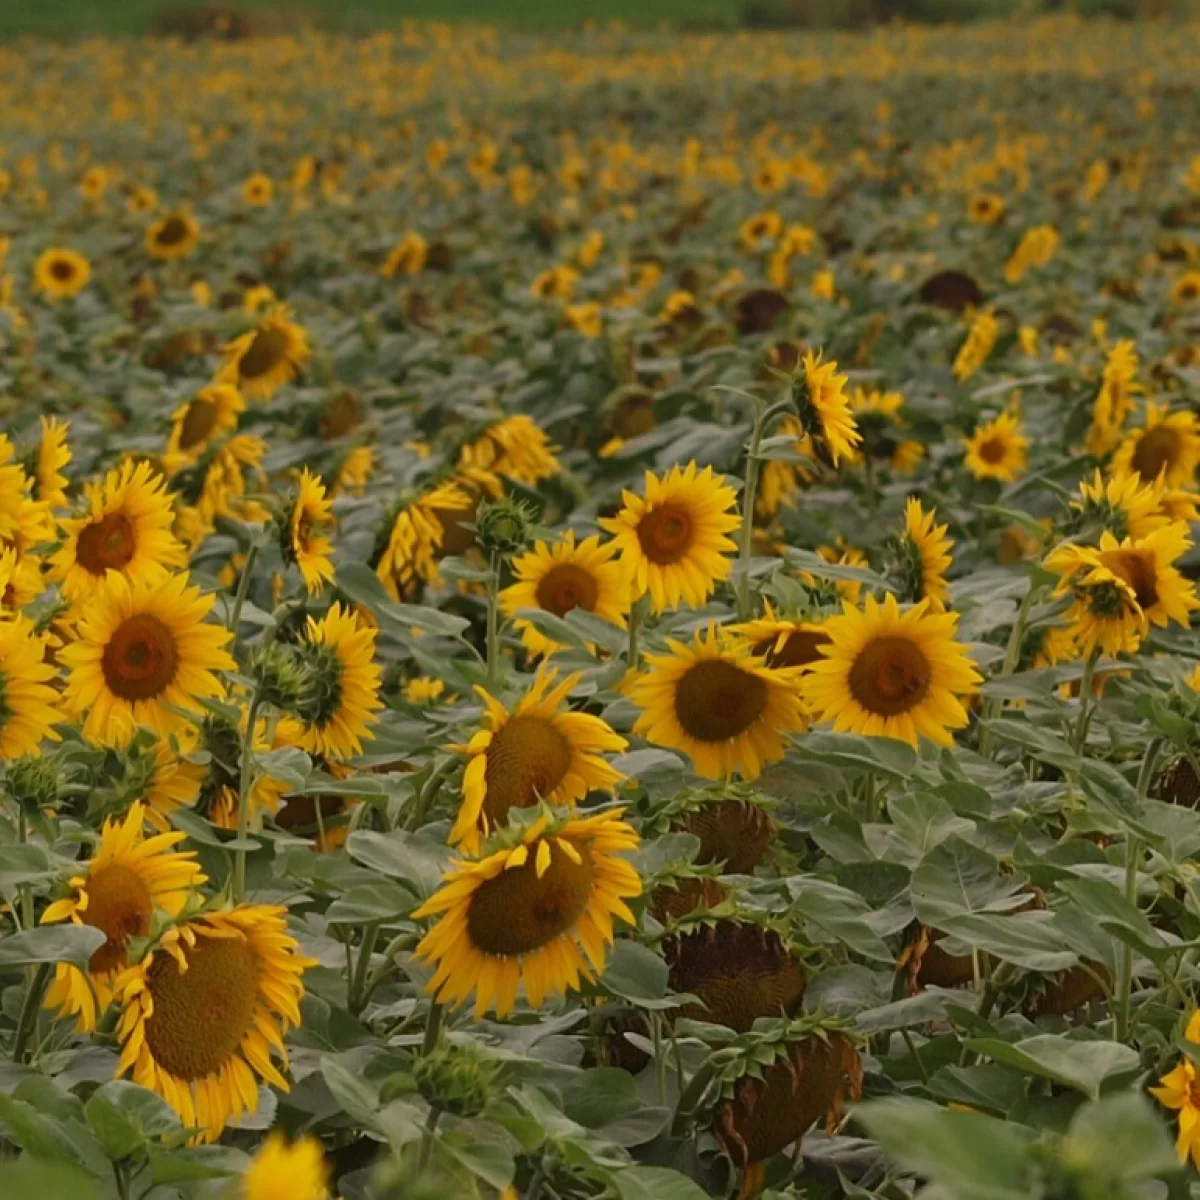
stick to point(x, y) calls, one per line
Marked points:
point(732, 821)
point(1166, 449)
point(60, 273)
point(502, 526)
point(921, 557)
point(269, 356)
point(172, 236)
point(303, 539)
point(210, 414)
point(819, 392)
point(297, 1171)
point(461, 1078)
point(997, 449)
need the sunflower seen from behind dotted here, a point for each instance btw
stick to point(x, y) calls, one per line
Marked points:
point(561, 577)
point(922, 556)
point(267, 357)
point(60, 273)
point(125, 880)
point(674, 542)
point(536, 914)
point(306, 543)
point(29, 701)
point(538, 750)
point(206, 1010)
point(515, 446)
point(1121, 503)
point(997, 449)
point(892, 673)
point(718, 704)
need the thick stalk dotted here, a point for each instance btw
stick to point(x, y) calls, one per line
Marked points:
point(359, 983)
point(29, 1011)
point(427, 1138)
point(691, 1097)
point(1085, 702)
point(235, 614)
point(433, 1028)
point(637, 614)
point(245, 786)
point(493, 621)
point(1012, 656)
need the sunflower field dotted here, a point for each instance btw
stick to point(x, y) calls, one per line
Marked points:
point(605, 615)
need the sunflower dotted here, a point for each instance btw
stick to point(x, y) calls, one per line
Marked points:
point(258, 190)
point(997, 449)
point(1186, 289)
point(779, 642)
point(924, 556)
point(538, 915)
point(28, 702)
point(355, 471)
point(985, 208)
point(127, 878)
point(406, 257)
point(424, 689)
point(60, 273)
point(515, 447)
point(538, 751)
point(1124, 504)
point(282, 1172)
point(267, 357)
point(339, 652)
point(673, 543)
point(1114, 400)
point(1166, 448)
point(203, 1010)
point(1179, 1090)
point(126, 532)
point(825, 410)
point(168, 781)
point(1104, 614)
point(210, 414)
point(172, 236)
point(141, 200)
point(718, 704)
point(307, 546)
point(416, 539)
point(892, 674)
point(980, 339)
point(143, 651)
point(53, 454)
point(759, 229)
point(562, 577)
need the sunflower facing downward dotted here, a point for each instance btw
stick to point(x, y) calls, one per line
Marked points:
point(996, 450)
point(143, 650)
point(126, 879)
point(516, 447)
point(674, 543)
point(212, 412)
point(266, 358)
point(60, 274)
point(923, 553)
point(718, 704)
point(539, 914)
point(126, 532)
point(1123, 504)
point(562, 577)
point(53, 454)
point(203, 1011)
point(888, 673)
point(825, 410)
point(306, 545)
point(536, 752)
point(28, 702)
point(1166, 447)
point(417, 537)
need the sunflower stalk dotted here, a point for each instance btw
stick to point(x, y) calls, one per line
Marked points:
point(691, 1096)
point(637, 615)
point(764, 417)
point(1012, 656)
point(493, 620)
point(433, 1028)
point(245, 784)
point(239, 600)
point(29, 1011)
point(358, 988)
point(1085, 703)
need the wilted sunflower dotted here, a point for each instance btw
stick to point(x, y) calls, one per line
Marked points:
point(1124, 504)
point(516, 447)
point(1165, 449)
point(539, 915)
point(28, 702)
point(172, 237)
point(126, 879)
point(60, 273)
point(339, 652)
point(563, 577)
point(53, 454)
point(924, 554)
point(825, 410)
point(674, 543)
point(266, 358)
point(202, 1012)
point(888, 673)
point(538, 751)
point(307, 544)
point(417, 535)
point(997, 449)
point(718, 704)
point(143, 650)
point(210, 414)
point(282, 1172)
point(126, 532)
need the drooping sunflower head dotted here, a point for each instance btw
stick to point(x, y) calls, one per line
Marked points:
point(60, 273)
point(172, 236)
point(1166, 449)
point(825, 409)
point(732, 821)
point(537, 751)
point(207, 1009)
point(515, 446)
point(29, 703)
point(922, 557)
point(562, 577)
point(719, 704)
point(418, 536)
point(305, 542)
point(210, 414)
point(892, 673)
point(537, 914)
point(674, 542)
point(126, 531)
point(997, 449)
point(269, 356)
point(52, 456)
point(143, 650)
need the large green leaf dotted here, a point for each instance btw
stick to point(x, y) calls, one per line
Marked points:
point(416, 861)
point(957, 879)
point(73, 944)
point(1087, 1066)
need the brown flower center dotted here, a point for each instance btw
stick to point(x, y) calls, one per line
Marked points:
point(1136, 568)
point(992, 450)
point(172, 232)
point(140, 659)
point(566, 586)
point(528, 758)
point(517, 913)
point(63, 270)
point(716, 701)
point(890, 676)
point(457, 539)
point(106, 545)
point(665, 534)
point(800, 648)
point(633, 416)
point(341, 415)
point(267, 350)
point(1157, 450)
point(198, 422)
point(201, 1014)
point(120, 906)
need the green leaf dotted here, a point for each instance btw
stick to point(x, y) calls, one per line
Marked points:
point(416, 861)
point(926, 820)
point(488, 1161)
point(117, 1134)
point(600, 1095)
point(847, 751)
point(362, 585)
point(36, 1133)
point(1119, 1137)
point(379, 901)
point(358, 1098)
point(23, 864)
point(958, 879)
point(1115, 915)
point(73, 944)
point(147, 1110)
point(1031, 940)
point(1086, 1066)
point(29, 1177)
point(656, 1183)
point(551, 626)
point(635, 973)
point(844, 915)
point(191, 1163)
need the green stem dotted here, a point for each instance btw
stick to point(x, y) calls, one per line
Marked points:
point(872, 801)
point(433, 1028)
point(427, 1134)
point(402, 941)
point(637, 615)
point(660, 1060)
point(749, 498)
point(493, 621)
point(428, 791)
point(359, 983)
point(691, 1097)
point(1085, 702)
point(912, 1049)
point(1012, 656)
point(245, 785)
point(29, 1010)
point(235, 614)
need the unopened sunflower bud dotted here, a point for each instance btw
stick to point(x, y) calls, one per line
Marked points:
point(33, 782)
point(457, 1078)
point(279, 675)
point(503, 527)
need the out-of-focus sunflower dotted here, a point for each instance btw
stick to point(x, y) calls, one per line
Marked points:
point(60, 273)
point(406, 257)
point(306, 543)
point(1114, 399)
point(53, 455)
point(29, 704)
point(516, 447)
point(997, 448)
point(267, 357)
point(172, 237)
point(416, 539)
point(924, 556)
point(258, 190)
point(825, 410)
point(210, 414)
point(280, 1171)
point(985, 208)
point(1124, 504)
point(1166, 448)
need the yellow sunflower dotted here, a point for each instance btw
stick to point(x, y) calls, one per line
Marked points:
point(425, 689)
point(282, 1172)
point(172, 237)
point(53, 454)
point(888, 673)
point(1179, 1090)
point(28, 701)
point(210, 414)
point(418, 533)
point(269, 356)
point(1114, 400)
point(1104, 613)
point(354, 471)
point(562, 577)
point(307, 544)
point(674, 544)
point(538, 916)
point(1124, 504)
point(985, 208)
point(1186, 289)
point(258, 190)
point(143, 651)
point(979, 342)
point(202, 1012)
point(779, 642)
point(60, 273)
point(1166, 447)
point(340, 653)
point(997, 449)
point(406, 257)
point(126, 532)
point(516, 447)
point(925, 556)
point(538, 751)
point(718, 704)
point(126, 879)
point(169, 781)
point(825, 410)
